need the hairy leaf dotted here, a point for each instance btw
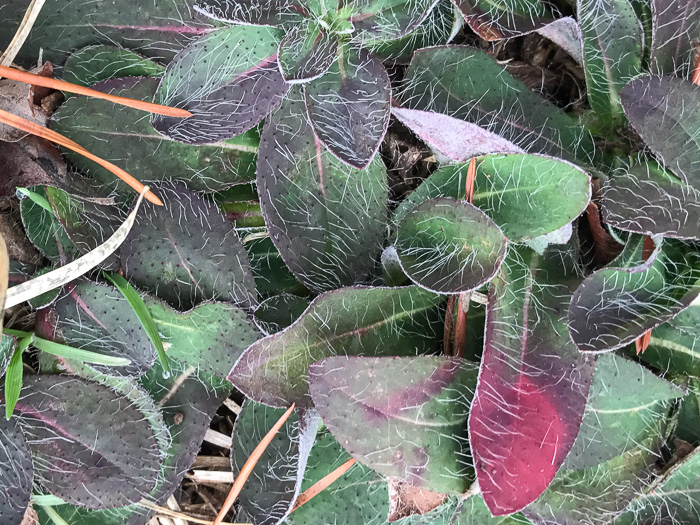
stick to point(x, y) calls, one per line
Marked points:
point(269, 270)
point(276, 313)
point(210, 337)
point(675, 346)
point(526, 195)
point(228, 79)
point(253, 12)
point(306, 52)
point(63, 419)
point(155, 29)
point(385, 19)
point(349, 321)
point(92, 64)
point(675, 26)
point(616, 305)
point(16, 473)
point(123, 136)
point(626, 404)
point(326, 219)
point(276, 479)
point(468, 84)
point(449, 246)
point(186, 253)
point(349, 106)
point(359, 496)
point(665, 111)
point(405, 417)
point(452, 137)
point(495, 20)
point(673, 498)
point(612, 50)
point(647, 199)
point(533, 382)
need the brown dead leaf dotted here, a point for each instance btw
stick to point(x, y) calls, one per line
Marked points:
point(406, 500)
point(30, 517)
point(19, 247)
point(30, 162)
point(18, 98)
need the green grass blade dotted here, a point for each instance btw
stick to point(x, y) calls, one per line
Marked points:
point(13, 377)
point(76, 353)
point(38, 199)
point(139, 307)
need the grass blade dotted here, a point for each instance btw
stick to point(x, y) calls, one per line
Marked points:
point(76, 353)
point(13, 377)
point(139, 308)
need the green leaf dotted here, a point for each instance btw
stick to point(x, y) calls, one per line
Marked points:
point(612, 50)
point(7, 346)
point(527, 196)
point(13, 377)
point(142, 312)
point(498, 19)
point(121, 135)
point(349, 321)
point(449, 246)
point(92, 64)
point(405, 417)
point(84, 356)
point(626, 404)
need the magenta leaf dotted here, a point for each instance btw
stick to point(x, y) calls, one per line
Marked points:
point(349, 107)
point(229, 80)
point(405, 417)
point(306, 52)
point(533, 382)
point(16, 473)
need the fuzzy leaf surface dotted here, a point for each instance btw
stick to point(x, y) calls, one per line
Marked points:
point(627, 404)
point(306, 52)
point(675, 345)
point(405, 417)
point(648, 199)
point(386, 19)
point(665, 111)
point(468, 84)
point(449, 246)
point(612, 51)
point(349, 107)
point(616, 305)
point(673, 498)
point(210, 337)
point(228, 79)
point(123, 136)
point(99, 319)
point(455, 138)
point(16, 473)
point(253, 12)
point(93, 64)
point(186, 253)
point(326, 219)
point(533, 382)
point(675, 25)
point(525, 195)
point(349, 321)
point(71, 25)
point(276, 313)
point(63, 419)
point(504, 18)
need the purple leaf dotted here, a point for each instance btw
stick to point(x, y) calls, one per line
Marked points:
point(349, 107)
point(76, 457)
point(675, 26)
point(455, 138)
point(665, 111)
point(16, 473)
point(566, 33)
point(405, 417)
point(327, 236)
point(349, 321)
point(306, 52)
point(616, 305)
point(533, 382)
point(228, 79)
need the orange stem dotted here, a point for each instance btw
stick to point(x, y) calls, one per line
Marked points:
point(37, 80)
point(471, 178)
point(642, 342)
point(696, 72)
point(249, 465)
point(45, 133)
point(323, 483)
